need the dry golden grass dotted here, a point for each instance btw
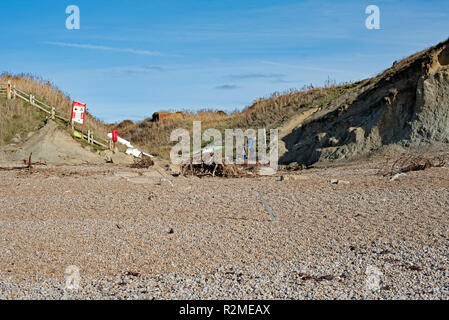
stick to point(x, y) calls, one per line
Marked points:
point(272, 112)
point(17, 117)
point(51, 95)
point(154, 137)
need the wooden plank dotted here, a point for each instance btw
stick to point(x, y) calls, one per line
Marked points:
point(43, 104)
point(33, 104)
point(61, 118)
point(22, 97)
point(99, 143)
point(37, 106)
point(9, 90)
point(92, 140)
point(20, 91)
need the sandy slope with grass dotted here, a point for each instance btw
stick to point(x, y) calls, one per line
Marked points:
point(53, 144)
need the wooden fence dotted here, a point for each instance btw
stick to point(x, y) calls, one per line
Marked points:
point(12, 92)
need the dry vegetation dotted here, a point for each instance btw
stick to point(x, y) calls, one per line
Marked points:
point(17, 117)
point(22, 117)
point(271, 112)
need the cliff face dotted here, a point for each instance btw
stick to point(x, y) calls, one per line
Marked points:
point(407, 105)
point(432, 109)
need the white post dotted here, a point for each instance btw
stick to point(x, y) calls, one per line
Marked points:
point(14, 92)
point(53, 112)
point(8, 90)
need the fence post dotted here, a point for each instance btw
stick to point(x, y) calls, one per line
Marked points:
point(88, 136)
point(14, 92)
point(8, 90)
point(31, 99)
point(53, 112)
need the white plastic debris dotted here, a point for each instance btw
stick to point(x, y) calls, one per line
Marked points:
point(148, 155)
point(131, 150)
point(266, 171)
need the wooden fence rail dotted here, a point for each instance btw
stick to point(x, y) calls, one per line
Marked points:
point(12, 92)
point(3, 89)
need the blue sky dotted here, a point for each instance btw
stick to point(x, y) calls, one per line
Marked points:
point(132, 58)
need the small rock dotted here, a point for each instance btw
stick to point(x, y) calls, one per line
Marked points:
point(165, 182)
point(397, 176)
point(15, 140)
point(266, 171)
point(294, 177)
point(336, 181)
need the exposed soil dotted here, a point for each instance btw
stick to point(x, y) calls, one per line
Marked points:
point(53, 144)
point(407, 105)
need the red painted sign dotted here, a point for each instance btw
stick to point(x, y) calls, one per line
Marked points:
point(78, 113)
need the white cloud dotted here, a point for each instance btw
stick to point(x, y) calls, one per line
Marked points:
point(104, 48)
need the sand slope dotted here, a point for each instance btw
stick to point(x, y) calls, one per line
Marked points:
point(53, 144)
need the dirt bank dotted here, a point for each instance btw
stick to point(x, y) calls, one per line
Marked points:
point(53, 144)
point(408, 105)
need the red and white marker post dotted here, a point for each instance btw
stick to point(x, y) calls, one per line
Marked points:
point(78, 114)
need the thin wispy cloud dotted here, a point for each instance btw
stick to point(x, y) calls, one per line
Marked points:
point(104, 48)
point(245, 76)
point(227, 87)
point(134, 70)
point(308, 68)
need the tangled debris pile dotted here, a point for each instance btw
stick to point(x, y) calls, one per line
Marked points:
point(295, 166)
point(414, 163)
point(216, 169)
point(145, 163)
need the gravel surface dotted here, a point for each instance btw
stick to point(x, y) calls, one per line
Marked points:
point(143, 234)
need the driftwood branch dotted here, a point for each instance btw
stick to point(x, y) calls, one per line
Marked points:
point(407, 164)
point(28, 166)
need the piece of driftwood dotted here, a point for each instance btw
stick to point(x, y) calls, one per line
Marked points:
point(28, 166)
point(407, 164)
